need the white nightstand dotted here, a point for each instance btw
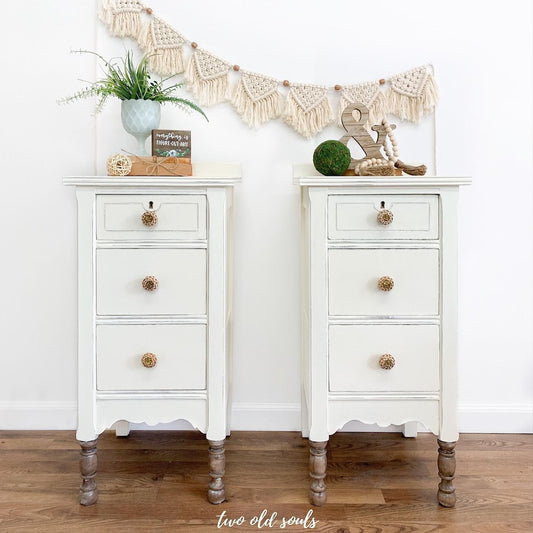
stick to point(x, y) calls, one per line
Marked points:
point(154, 308)
point(379, 309)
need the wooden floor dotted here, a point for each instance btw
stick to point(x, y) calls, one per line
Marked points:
point(156, 481)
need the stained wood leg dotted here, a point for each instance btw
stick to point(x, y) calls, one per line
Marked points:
point(88, 464)
point(446, 464)
point(317, 471)
point(216, 492)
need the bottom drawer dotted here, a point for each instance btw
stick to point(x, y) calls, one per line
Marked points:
point(355, 352)
point(180, 352)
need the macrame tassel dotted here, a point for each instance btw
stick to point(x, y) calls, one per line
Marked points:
point(257, 99)
point(207, 78)
point(412, 170)
point(412, 94)
point(122, 17)
point(165, 46)
point(368, 94)
point(307, 109)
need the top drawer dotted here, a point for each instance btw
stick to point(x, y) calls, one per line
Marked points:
point(181, 217)
point(356, 216)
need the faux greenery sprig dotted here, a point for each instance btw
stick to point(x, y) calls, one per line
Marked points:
point(125, 81)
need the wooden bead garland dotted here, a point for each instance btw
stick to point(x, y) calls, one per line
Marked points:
point(118, 165)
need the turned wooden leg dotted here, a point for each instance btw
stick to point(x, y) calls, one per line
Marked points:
point(446, 464)
point(88, 463)
point(217, 462)
point(317, 471)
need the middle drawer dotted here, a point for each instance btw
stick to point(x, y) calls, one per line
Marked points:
point(355, 287)
point(180, 274)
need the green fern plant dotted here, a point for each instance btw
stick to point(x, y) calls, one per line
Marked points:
point(126, 81)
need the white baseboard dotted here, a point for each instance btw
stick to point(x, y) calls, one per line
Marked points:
point(38, 415)
point(265, 416)
point(473, 418)
point(495, 418)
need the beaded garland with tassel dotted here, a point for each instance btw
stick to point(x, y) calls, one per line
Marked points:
point(307, 109)
point(208, 77)
point(257, 99)
point(165, 46)
point(122, 17)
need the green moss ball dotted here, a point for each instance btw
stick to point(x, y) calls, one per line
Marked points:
point(332, 158)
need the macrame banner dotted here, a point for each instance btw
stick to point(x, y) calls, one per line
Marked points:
point(122, 17)
point(307, 109)
point(165, 46)
point(256, 97)
point(208, 77)
point(412, 94)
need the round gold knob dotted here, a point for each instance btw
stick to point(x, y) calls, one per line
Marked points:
point(149, 360)
point(385, 217)
point(386, 361)
point(150, 283)
point(149, 218)
point(385, 283)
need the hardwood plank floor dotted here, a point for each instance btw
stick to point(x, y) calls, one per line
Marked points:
point(156, 481)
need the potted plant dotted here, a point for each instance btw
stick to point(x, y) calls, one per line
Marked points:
point(141, 96)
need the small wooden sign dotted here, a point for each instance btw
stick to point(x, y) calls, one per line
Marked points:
point(171, 143)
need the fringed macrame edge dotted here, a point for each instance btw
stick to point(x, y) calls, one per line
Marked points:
point(169, 60)
point(256, 112)
point(207, 91)
point(165, 61)
point(413, 108)
point(121, 23)
point(310, 122)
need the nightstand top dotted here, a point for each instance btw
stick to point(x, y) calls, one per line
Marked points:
point(204, 175)
point(306, 175)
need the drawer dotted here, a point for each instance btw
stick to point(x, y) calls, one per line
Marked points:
point(180, 352)
point(355, 216)
point(180, 217)
point(181, 276)
point(355, 352)
point(354, 276)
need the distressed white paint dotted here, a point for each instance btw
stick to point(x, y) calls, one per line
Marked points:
point(341, 376)
point(184, 321)
point(484, 74)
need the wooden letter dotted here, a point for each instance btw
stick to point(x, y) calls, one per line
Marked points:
point(317, 471)
point(216, 493)
point(88, 463)
point(356, 130)
point(446, 464)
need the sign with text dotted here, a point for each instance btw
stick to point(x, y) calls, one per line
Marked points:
point(171, 143)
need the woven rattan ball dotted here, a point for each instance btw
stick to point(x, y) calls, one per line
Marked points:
point(332, 158)
point(118, 165)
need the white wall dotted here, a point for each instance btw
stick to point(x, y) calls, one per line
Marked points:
point(482, 55)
